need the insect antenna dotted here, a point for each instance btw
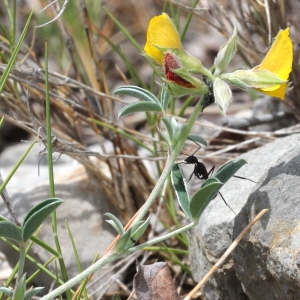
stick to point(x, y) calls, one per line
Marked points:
point(196, 144)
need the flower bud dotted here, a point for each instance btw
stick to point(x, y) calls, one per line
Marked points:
point(225, 54)
point(253, 78)
point(171, 63)
point(179, 80)
point(223, 94)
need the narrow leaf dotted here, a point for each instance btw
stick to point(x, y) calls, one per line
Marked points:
point(165, 99)
point(136, 225)
point(13, 58)
point(124, 242)
point(181, 189)
point(178, 134)
point(203, 196)
point(137, 92)
point(115, 223)
point(141, 106)
point(37, 215)
point(224, 174)
point(6, 291)
point(229, 169)
point(10, 231)
point(140, 231)
point(198, 139)
point(12, 172)
point(32, 293)
point(20, 289)
point(168, 123)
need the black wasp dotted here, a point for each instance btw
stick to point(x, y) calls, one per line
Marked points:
point(201, 172)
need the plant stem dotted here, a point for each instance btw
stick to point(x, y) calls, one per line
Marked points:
point(104, 260)
point(162, 238)
point(51, 173)
point(170, 162)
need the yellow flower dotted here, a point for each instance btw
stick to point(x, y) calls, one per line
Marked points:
point(163, 34)
point(278, 61)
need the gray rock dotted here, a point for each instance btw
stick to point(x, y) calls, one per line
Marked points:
point(267, 262)
point(85, 204)
point(217, 226)
point(268, 105)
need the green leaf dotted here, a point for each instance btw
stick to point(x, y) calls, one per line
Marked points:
point(10, 231)
point(225, 54)
point(203, 196)
point(32, 293)
point(6, 291)
point(225, 173)
point(178, 134)
point(228, 170)
point(136, 225)
point(20, 289)
point(13, 58)
point(141, 106)
point(12, 172)
point(140, 230)
point(181, 189)
point(137, 92)
point(115, 297)
point(197, 138)
point(115, 223)
point(165, 99)
point(171, 125)
point(37, 215)
point(124, 242)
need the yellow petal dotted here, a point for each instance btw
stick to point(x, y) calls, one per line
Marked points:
point(279, 61)
point(162, 33)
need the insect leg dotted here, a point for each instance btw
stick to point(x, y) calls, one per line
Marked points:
point(226, 203)
point(211, 171)
point(240, 177)
point(190, 177)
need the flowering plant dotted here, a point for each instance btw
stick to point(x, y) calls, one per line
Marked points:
point(270, 77)
point(184, 74)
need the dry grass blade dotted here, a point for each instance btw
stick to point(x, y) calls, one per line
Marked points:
point(71, 115)
point(225, 255)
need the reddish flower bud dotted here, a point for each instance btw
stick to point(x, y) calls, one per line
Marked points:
point(171, 63)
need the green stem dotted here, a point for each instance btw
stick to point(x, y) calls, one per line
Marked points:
point(170, 162)
point(51, 174)
point(110, 256)
point(104, 260)
point(162, 238)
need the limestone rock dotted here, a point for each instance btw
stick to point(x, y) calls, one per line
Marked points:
point(272, 165)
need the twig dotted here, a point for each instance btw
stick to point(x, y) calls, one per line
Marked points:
point(56, 17)
point(225, 255)
point(269, 21)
